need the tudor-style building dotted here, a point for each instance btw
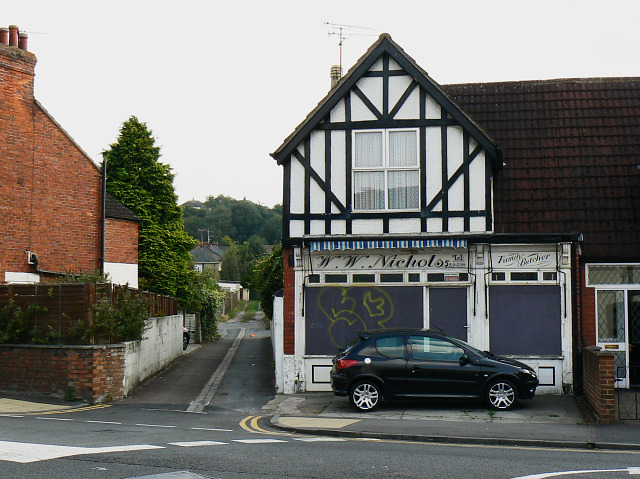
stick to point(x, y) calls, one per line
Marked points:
point(388, 222)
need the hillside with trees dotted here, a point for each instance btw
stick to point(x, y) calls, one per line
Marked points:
point(241, 220)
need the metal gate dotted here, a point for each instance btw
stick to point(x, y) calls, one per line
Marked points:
point(628, 401)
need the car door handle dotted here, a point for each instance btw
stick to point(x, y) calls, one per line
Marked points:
point(415, 368)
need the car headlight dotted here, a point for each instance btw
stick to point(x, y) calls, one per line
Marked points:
point(528, 372)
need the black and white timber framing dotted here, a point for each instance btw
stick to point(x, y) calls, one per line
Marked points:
point(391, 92)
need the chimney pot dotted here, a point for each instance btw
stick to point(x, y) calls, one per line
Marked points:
point(13, 36)
point(22, 41)
point(336, 74)
point(4, 35)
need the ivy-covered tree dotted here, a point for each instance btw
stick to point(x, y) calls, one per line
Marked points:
point(137, 178)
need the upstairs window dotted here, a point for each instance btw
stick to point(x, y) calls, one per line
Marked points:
point(386, 175)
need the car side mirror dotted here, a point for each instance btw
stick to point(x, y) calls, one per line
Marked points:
point(464, 360)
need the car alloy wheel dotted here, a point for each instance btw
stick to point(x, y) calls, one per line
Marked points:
point(365, 395)
point(502, 394)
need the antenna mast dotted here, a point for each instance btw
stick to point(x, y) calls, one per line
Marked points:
point(343, 32)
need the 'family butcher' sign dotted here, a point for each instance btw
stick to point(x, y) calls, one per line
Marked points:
point(523, 259)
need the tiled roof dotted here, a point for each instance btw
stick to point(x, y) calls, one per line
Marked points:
point(572, 154)
point(206, 254)
point(114, 209)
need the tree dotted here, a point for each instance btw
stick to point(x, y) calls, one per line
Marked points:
point(137, 179)
point(206, 298)
point(266, 279)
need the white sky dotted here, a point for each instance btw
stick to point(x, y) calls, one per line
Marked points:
point(222, 84)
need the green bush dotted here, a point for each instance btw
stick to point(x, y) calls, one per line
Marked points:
point(266, 279)
point(121, 319)
point(16, 325)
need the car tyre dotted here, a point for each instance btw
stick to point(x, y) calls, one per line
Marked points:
point(501, 394)
point(365, 395)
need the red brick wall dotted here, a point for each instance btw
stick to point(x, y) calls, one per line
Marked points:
point(50, 193)
point(588, 311)
point(92, 373)
point(289, 300)
point(121, 243)
point(599, 391)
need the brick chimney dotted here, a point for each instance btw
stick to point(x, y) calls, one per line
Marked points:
point(17, 65)
point(12, 37)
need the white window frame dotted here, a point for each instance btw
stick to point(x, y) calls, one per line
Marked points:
point(386, 168)
point(610, 286)
point(623, 346)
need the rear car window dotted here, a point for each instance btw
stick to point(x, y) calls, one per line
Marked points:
point(391, 347)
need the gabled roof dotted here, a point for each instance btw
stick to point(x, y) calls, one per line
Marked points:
point(572, 153)
point(206, 254)
point(116, 210)
point(384, 44)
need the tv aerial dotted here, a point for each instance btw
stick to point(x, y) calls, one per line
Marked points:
point(347, 31)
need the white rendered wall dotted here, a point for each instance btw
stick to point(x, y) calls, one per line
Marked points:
point(15, 277)
point(122, 273)
point(161, 346)
point(277, 341)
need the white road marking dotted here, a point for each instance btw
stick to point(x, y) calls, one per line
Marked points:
point(26, 453)
point(54, 419)
point(207, 393)
point(9, 415)
point(257, 441)
point(106, 422)
point(198, 443)
point(320, 439)
point(211, 429)
point(545, 475)
point(154, 425)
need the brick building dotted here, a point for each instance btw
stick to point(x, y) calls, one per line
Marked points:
point(53, 218)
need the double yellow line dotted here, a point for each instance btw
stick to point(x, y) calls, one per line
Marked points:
point(67, 411)
point(250, 424)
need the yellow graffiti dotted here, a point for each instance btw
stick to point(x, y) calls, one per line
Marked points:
point(373, 310)
point(378, 304)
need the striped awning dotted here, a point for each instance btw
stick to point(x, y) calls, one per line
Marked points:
point(389, 244)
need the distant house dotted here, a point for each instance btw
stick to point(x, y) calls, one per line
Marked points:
point(53, 216)
point(195, 204)
point(208, 257)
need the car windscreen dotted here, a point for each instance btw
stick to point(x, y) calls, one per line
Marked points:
point(483, 354)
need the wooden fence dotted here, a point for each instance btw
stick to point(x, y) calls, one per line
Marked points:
point(61, 305)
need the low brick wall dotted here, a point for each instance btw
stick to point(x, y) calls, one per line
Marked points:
point(92, 373)
point(599, 379)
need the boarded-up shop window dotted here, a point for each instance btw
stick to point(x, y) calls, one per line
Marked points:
point(525, 320)
point(335, 314)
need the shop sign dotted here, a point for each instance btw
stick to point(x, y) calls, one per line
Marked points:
point(389, 261)
point(521, 259)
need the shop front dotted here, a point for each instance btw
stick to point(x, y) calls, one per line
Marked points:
point(511, 299)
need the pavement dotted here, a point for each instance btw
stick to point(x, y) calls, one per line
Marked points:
point(545, 421)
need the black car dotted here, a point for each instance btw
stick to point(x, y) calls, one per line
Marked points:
point(426, 364)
